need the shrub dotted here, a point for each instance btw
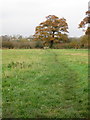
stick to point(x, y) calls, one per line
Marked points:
point(7, 44)
point(74, 44)
point(61, 46)
point(38, 44)
point(0, 42)
point(84, 41)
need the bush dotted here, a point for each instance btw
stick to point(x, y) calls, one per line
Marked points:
point(21, 45)
point(84, 41)
point(38, 44)
point(0, 42)
point(74, 44)
point(7, 44)
point(61, 46)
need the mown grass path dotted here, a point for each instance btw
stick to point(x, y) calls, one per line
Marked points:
point(45, 83)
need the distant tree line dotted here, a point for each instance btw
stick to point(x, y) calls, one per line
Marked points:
point(15, 42)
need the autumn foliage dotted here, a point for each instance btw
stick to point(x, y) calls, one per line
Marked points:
point(84, 22)
point(52, 30)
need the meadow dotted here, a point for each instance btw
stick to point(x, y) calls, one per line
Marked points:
point(51, 83)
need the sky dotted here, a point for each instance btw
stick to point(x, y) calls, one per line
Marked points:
point(22, 16)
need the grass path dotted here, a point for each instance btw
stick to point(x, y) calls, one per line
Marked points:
point(45, 83)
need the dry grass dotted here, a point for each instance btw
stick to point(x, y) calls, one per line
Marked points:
point(78, 54)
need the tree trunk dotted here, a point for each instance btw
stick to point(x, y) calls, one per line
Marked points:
point(51, 43)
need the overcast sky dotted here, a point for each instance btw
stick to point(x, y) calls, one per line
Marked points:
point(22, 16)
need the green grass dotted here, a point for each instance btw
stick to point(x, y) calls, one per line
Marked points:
point(0, 83)
point(45, 83)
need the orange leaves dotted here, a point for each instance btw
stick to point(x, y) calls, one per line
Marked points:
point(53, 17)
point(50, 29)
point(85, 21)
point(88, 12)
point(87, 31)
point(82, 24)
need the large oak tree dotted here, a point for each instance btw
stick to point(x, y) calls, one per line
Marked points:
point(51, 30)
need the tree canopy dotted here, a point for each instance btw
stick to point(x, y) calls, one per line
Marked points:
point(51, 30)
point(84, 22)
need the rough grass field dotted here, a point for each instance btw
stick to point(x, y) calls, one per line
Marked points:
point(45, 83)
